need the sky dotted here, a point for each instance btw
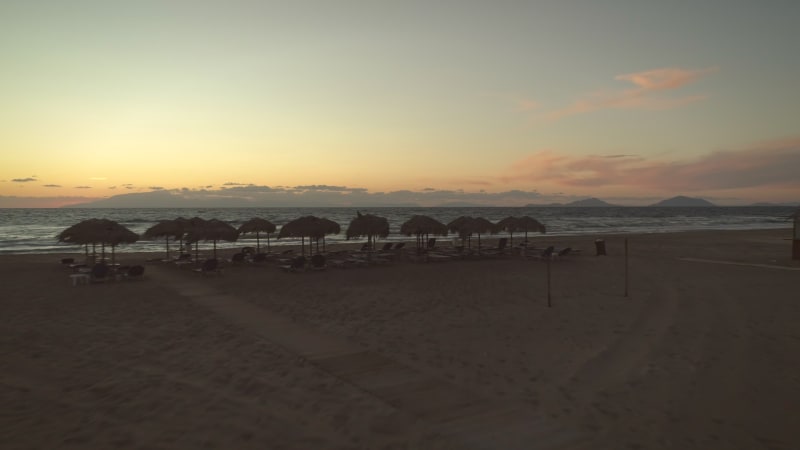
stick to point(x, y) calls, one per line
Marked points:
point(420, 102)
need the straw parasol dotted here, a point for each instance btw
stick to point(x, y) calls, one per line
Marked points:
point(167, 229)
point(258, 225)
point(326, 227)
point(98, 231)
point(420, 225)
point(217, 230)
point(526, 223)
point(311, 227)
point(368, 225)
point(510, 224)
point(465, 226)
point(193, 232)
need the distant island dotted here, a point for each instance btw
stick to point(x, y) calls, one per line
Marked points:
point(587, 202)
point(683, 201)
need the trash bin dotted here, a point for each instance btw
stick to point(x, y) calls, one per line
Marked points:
point(600, 245)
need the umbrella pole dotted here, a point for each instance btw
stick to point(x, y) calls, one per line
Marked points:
point(215, 249)
point(267, 242)
point(258, 243)
point(167, 248)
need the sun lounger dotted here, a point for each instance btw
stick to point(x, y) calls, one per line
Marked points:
point(209, 266)
point(318, 262)
point(298, 264)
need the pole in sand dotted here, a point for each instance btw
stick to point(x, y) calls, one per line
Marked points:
point(549, 302)
point(626, 267)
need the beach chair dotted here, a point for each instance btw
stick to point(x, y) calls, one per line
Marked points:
point(209, 266)
point(499, 250)
point(134, 273)
point(99, 273)
point(399, 245)
point(546, 254)
point(237, 258)
point(298, 264)
point(386, 247)
point(318, 262)
point(431, 244)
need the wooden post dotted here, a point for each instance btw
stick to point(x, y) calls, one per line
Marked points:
point(626, 267)
point(549, 302)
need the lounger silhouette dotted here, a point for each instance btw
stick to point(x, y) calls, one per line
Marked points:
point(135, 273)
point(209, 266)
point(500, 249)
point(99, 273)
point(386, 247)
point(297, 264)
point(318, 262)
point(546, 253)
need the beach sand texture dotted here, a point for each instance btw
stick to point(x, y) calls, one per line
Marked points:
point(703, 353)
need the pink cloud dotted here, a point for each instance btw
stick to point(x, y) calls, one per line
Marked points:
point(643, 95)
point(771, 164)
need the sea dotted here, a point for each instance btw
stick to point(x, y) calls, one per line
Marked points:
point(34, 230)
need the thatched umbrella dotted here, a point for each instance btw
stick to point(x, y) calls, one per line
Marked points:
point(465, 226)
point(217, 230)
point(257, 225)
point(510, 224)
point(98, 231)
point(368, 225)
point(167, 229)
point(423, 226)
point(308, 226)
point(193, 232)
point(526, 224)
point(326, 227)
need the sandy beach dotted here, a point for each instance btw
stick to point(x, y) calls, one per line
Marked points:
point(703, 353)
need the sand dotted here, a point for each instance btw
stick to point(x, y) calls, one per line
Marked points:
point(703, 353)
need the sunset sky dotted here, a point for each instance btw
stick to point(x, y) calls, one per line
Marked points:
point(499, 102)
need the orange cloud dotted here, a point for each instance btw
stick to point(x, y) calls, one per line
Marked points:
point(642, 96)
point(764, 165)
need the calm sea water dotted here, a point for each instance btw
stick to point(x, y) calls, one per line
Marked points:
point(35, 230)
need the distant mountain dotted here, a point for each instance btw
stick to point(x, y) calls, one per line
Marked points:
point(587, 202)
point(684, 202)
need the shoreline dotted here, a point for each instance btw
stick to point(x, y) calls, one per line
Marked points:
point(699, 355)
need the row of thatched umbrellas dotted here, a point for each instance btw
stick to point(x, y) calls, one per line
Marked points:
point(108, 232)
